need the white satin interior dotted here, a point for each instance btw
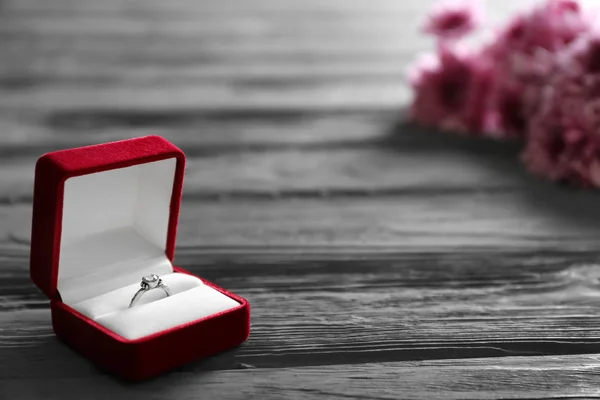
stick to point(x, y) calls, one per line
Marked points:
point(114, 231)
point(190, 300)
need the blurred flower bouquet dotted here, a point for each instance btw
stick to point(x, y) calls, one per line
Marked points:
point(538, 79)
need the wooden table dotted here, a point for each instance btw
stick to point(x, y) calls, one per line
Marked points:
point(381, 261)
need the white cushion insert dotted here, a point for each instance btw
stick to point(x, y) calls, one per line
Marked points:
point(190, 300)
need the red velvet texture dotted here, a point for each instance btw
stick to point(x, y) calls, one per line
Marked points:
point(128, 359)
point(140, 359)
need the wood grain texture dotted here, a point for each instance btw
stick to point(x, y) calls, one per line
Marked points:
point(381, 261)
point(411, 222)
point(145, 59)
point(327, 171)
point(326, 309)
point(565, 377)
point(363, 154)
point(205, 133)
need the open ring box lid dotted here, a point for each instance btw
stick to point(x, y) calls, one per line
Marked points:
point(104, 216)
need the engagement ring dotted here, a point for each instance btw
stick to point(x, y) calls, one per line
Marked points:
point(149, 282)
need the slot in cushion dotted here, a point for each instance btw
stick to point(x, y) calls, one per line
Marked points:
point(190, 300)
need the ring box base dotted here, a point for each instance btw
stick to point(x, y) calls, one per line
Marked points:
point(144, 358)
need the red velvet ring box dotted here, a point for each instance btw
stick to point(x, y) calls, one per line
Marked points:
point(104, 216)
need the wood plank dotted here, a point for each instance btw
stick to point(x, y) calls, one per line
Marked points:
point(351, 6)
point(92, 72)
point(348, 308)
point(200, 134)
point(79, 30)
point(382, 25)
point(52, 51)
point(332, 7)
point(565, 377)
point(333, 96)
point(365, 171)
point(317, 173)
point(542, 217)
point(232, 156)
point(391, 303)
point(463, 277)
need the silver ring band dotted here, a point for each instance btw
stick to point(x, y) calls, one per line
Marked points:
point(149, 282)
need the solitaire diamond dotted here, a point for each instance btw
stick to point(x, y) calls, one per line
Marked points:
point(148, 283)
point(151, 281)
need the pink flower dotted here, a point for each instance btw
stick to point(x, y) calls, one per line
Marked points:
point(564, 155)
point(582, 57)
point(564, 138)
point(538, 79)
point(511, 117)
point(524, 54)
point(451, 92)
point(519, 81)
point(454, 19)
point(550, 26)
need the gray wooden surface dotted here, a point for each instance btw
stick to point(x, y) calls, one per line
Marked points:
point(381, 261)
